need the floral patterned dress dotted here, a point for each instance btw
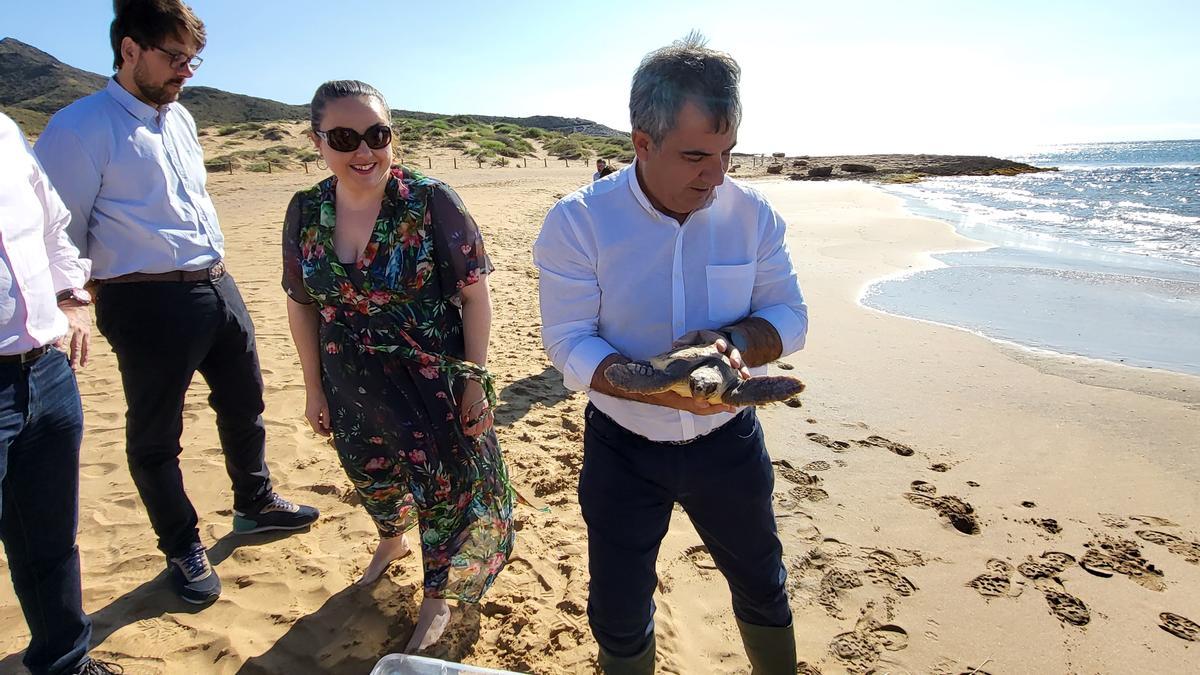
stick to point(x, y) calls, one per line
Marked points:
point(392, 350)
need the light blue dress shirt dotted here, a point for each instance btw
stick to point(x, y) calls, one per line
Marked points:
point(133, 177)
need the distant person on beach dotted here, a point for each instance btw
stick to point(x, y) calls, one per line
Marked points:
point(600, 166)
point(129, 166)
point(388, 303)
point(43, 305)
point(609, 169)
point(670, 253)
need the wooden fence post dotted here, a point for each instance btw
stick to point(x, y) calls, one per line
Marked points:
point(268, 166)
point(430, 159)
point(306, 167)
point(545, 162)
point(455, 162)
point(231, 167)
point(480, 162)
point(567, 162)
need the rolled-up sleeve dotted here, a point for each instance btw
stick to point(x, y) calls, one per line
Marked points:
point(777, 297)
point(67, 269)
point(570, 300)
point(74, 175)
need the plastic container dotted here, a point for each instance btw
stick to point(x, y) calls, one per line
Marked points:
point(404, 664)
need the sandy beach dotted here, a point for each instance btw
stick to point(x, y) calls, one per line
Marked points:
point(936, 493)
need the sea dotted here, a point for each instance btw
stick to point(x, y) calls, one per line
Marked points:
point(1100, 258)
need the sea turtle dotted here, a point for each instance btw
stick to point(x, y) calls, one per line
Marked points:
point(700, 372)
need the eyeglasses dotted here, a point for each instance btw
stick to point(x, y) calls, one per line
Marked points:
point(347, 140)
point(179, 58)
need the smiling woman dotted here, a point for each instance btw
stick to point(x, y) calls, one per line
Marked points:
point(389, 309)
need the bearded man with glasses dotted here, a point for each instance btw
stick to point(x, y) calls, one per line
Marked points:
point(129, 167)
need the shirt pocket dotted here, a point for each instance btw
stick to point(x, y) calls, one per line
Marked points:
point(729, 290)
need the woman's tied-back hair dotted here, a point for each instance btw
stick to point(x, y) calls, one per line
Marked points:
point(684, 71)
point(149, 22)
point(335, 89)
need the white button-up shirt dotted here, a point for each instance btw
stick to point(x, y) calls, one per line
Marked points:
point(37, 259)
point(134, 180)
point(617, 275)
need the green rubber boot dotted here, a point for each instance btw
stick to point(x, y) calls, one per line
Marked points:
point(639, 664)
point(772, 650)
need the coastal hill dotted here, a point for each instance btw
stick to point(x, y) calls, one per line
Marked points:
point(34, 85)
point(241, 132)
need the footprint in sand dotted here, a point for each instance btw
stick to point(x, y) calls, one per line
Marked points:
point(1153, 521)
point(960, 514)
point(1049, 525)
point(822, 439)
point(699, 556)
point(819, 465)
point(859, 650)
point(940, 467)
point(996, 582)
point(883, 568)
point(1049, 566)
point(1107, 555)
point(1066, 607)
point(806, 493)
point(1189, 550)
point(794, 475)
point(1180, 627)
point(881, 442)
point(900, 584)
point(923, 487)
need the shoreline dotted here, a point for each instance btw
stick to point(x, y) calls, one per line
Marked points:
point(895, 293)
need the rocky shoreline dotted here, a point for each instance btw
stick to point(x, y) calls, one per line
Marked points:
point(877, 168)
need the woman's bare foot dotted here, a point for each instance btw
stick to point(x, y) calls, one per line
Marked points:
point(431, 623)
point(389, 550)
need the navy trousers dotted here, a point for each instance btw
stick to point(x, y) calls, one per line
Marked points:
point(41, 426)
point(627, 489)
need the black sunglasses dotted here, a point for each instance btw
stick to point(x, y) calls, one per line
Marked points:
point(343, 139)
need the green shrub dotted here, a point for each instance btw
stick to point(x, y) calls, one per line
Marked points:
point(438, 124)
point(257, 167)
point(225, 131)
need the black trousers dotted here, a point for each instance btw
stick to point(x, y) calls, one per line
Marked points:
point(627, 488)
point(162, 334)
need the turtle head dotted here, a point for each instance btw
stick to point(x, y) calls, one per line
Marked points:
point(706, 383)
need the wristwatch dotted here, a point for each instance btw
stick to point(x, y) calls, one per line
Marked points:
point(77, 294)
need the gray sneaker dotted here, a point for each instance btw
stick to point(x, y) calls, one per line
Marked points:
point(274, 513)
point(193, 578)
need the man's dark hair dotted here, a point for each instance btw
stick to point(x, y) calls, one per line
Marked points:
point(684, 71)
point(150, 22)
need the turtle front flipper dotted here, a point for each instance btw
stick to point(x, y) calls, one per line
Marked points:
point(762, 390)
point(639, 377)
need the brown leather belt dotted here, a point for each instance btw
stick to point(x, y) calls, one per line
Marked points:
point(213, 273)
point(26, 358)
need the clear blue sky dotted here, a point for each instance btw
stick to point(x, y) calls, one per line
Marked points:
point(863, 76)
